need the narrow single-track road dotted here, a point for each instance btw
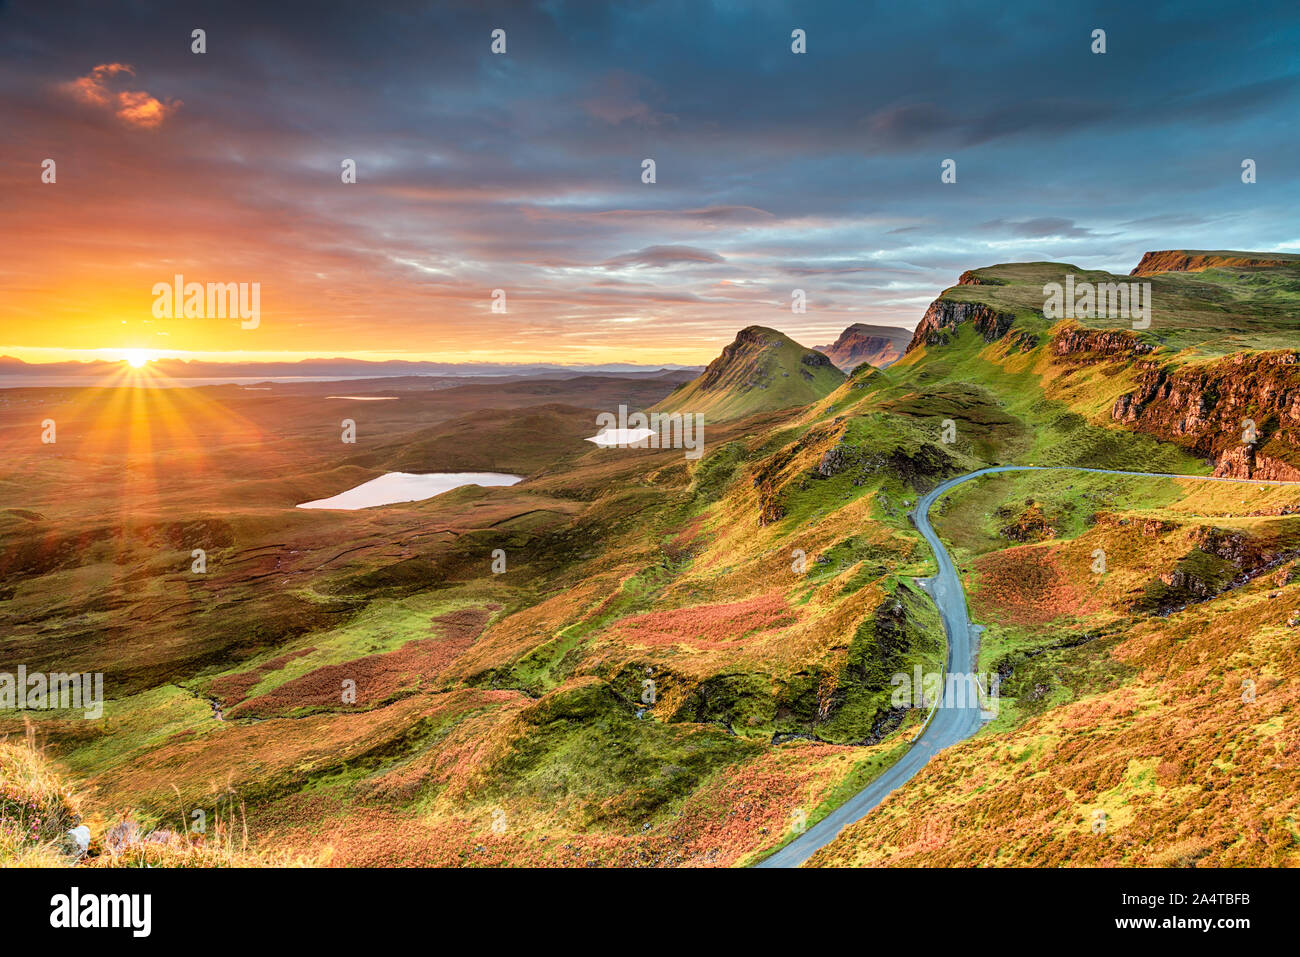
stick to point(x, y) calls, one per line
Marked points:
point(948, 725)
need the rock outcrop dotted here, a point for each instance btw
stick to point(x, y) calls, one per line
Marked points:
point(1075, 342)
point(1195, 260)
point(860, 344)
point(972, 277)
point(1220, 559)
point(1208, 408)
point(945, 315)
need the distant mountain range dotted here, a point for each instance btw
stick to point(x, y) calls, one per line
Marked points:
point(754, 362)
point(325, 367)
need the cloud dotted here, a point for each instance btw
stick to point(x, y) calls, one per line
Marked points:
point(134, 107)
point(620, 100)
point(1168, 220)
point(1039, 228)
point(827, 178)
point(664, 256)
point(911, 124)
point(916, 124)
point(707, 216)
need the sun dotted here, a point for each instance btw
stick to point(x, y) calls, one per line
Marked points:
point(135, 358)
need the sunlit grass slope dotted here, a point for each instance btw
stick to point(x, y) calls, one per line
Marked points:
point(761, 370)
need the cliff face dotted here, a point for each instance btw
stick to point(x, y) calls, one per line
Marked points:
point(1195, 260)
point(1203, 407)
point(1245, 462)
point(1077, 343)
point(1204, 404)
point(860, 343)
point(944, 316)
point(972, 277)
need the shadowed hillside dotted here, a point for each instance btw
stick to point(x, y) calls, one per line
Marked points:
point(862, 343)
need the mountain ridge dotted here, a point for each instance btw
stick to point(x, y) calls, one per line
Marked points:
point(877, 346)
point(1198, 260)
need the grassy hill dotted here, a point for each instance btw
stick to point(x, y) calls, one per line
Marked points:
point(761, 370)
point(1213, 311)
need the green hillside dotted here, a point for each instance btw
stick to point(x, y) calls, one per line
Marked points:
point(1214, 311)
point(760, 371)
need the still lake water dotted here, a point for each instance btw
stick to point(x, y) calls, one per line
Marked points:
point(618, 438)
point(408, 487)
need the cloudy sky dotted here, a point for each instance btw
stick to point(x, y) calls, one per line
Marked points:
point(523, 171)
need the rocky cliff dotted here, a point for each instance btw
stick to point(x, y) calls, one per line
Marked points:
point(861, 343)
point(973, 277)
point(1076, 343)
point(944, 316)
point(1195, 260)
point(1206, 408)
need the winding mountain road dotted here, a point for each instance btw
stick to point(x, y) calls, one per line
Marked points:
point(947, 725)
